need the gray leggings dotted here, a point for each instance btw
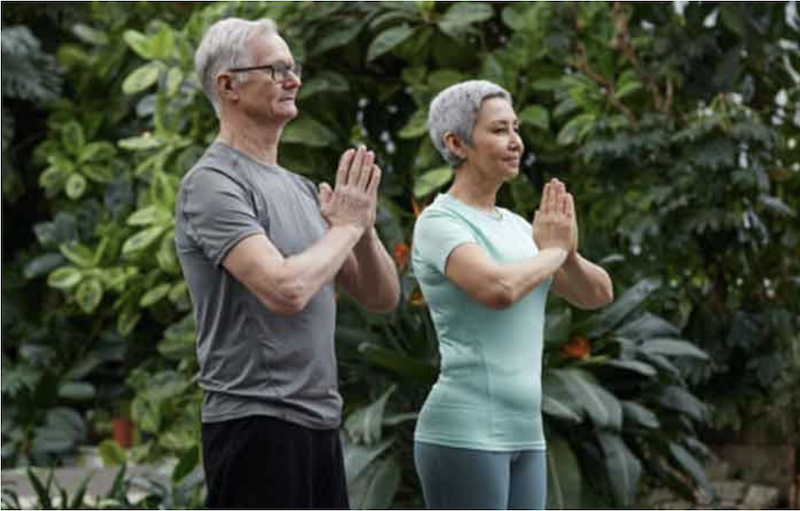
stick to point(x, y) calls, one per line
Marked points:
point(456, 478)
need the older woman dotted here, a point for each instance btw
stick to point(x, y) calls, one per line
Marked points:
point(485, 273)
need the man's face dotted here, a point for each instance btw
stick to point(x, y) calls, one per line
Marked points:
point(260, 95)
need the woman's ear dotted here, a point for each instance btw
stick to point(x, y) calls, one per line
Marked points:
point(454, 144)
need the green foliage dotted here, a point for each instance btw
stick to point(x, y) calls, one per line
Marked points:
point(677, 136)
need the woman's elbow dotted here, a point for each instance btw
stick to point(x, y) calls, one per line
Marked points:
point(498, 296)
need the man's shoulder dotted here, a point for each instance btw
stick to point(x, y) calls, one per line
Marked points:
point(215, 166)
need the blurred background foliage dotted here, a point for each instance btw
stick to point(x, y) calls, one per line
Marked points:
point(674, 125)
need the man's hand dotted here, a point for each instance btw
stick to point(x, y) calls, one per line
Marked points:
point(355, 198)
point(554, 221)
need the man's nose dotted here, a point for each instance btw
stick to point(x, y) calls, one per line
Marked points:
point(292, 81)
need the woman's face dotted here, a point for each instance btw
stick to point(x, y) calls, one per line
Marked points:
point(496, 145)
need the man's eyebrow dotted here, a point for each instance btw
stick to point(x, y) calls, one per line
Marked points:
point(504, 122)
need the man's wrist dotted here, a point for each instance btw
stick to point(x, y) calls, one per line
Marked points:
point(369, 236)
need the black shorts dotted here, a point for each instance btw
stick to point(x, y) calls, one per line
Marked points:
point(263, 462)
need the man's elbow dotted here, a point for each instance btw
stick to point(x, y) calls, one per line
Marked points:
point(386, 303)
point(288, 297)
point(603, 296)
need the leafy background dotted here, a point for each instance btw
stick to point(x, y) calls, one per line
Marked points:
point(675, 126)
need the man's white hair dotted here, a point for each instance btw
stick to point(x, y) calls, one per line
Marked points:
point(225, 46)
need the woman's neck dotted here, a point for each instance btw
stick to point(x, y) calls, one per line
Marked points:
point(474, 189)
point(257, 140)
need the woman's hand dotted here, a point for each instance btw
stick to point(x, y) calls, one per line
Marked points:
point(554, 223)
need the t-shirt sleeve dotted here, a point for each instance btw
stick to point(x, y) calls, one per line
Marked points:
point(218, 213)
point(436, 235)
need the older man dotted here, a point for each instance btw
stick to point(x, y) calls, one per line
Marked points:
point(260, 249)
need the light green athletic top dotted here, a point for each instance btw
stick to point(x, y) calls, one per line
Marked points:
point(488, 395)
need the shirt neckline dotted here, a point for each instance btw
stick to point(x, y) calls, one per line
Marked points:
point(497, 216)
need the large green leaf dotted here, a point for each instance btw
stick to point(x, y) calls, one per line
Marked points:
point(559, 410)
point(99, 151)
point(162, 44)
point(690, 465)
point(432, 180)
point(148, 215)
point(143, 239)
point(76, 391)
point(112, 453)
point(673, 348)
point(358, 457)
point(623, 467)
point(326, 82)
point(407, 367)
point(600, 405)
point(557, 326)
point(681, 400)
point(54, 177)
point(364, 425)
point(127, 320)
point(646, 326)
point(416, 126)
point(75, 186)
point(307, 131)
point(576, 129)
point(536, 116)
point(73, 137)
point(64, 278)
point(632, 365)
point(139, 43)
point(381, 486)
point(42, 264)
point(141, 78)
point(78, 254)
point(90, 35)
point(154, 295)
point(603, 322)
point(187, 462)
point(89, 294)
point(637, 414)
point(175, 78)
point(141, 142)
point(460, 17)
point(564, 479)
point(388, 40)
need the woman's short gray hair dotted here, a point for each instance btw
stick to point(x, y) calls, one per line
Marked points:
point(455, 110)
point(224, 46)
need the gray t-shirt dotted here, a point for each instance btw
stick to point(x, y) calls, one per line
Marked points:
point(253, 361)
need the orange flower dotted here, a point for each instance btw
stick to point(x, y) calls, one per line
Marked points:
point(400, 253)
point(416, 299)
point(578, 348)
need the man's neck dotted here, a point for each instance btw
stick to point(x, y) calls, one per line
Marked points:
point(256, 140)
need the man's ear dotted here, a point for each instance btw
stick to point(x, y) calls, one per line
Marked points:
point(225, 86)
point(455, 144)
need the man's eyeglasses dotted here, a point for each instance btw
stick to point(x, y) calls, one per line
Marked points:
point(279, 71)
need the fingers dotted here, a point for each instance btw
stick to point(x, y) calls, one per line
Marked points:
point(545, 204)
point(344, 167)
point(325, 193)
point(367, 168)
point(375, 181)
point(356, 167)
point(570, 206)
point(566, 210)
